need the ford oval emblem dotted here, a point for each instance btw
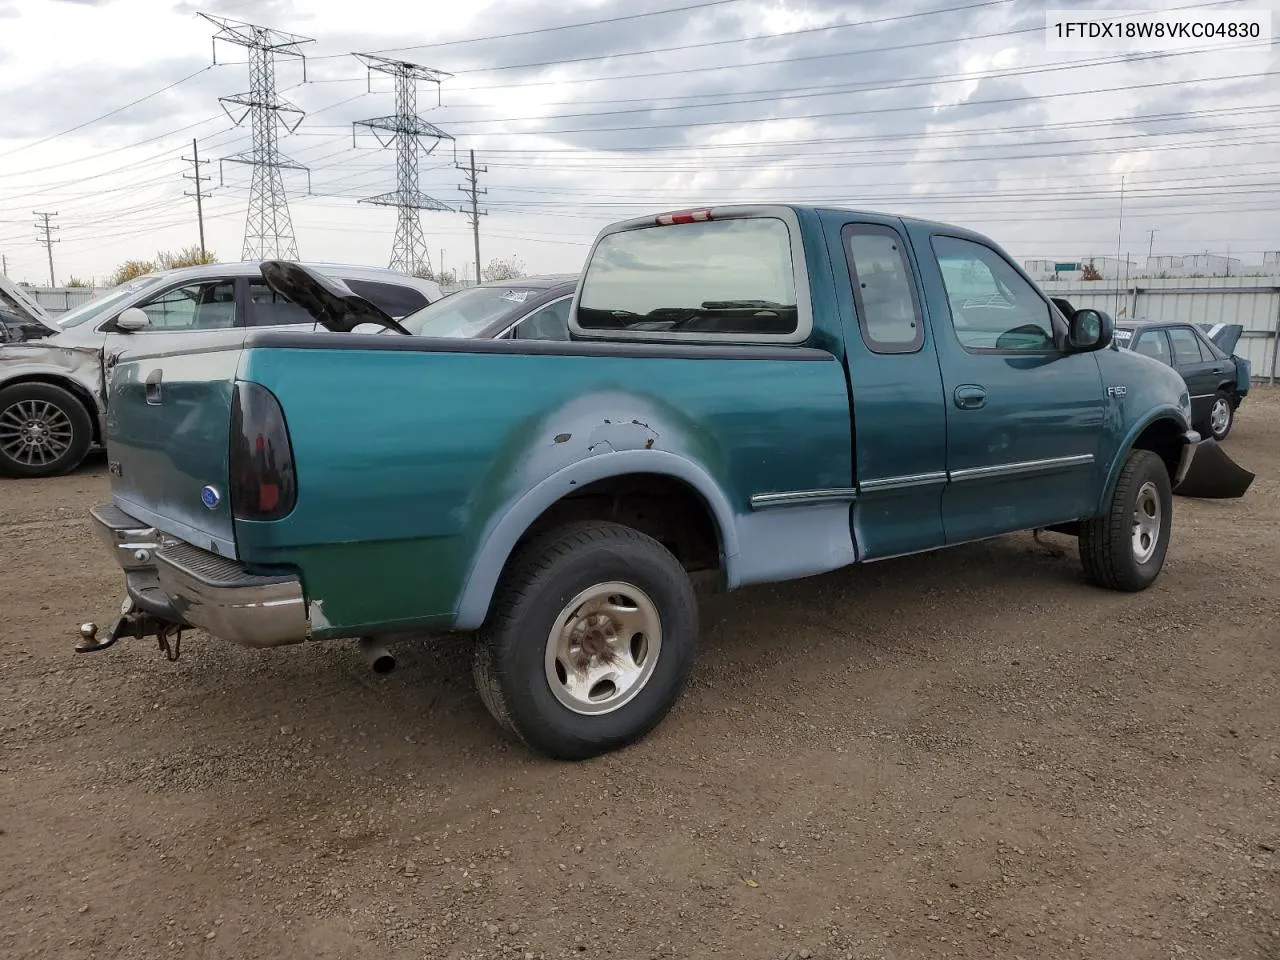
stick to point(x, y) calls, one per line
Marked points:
point(210, 497)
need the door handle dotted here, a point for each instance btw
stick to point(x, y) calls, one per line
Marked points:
point(970, 396)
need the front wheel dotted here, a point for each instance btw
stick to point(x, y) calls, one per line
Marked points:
point(591, 638)
point(44, 431)
point(1124, 549)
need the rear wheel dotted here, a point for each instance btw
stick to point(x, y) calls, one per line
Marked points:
point(1222, 415)
point(1125, 548)
point(44, 430)
point(590, 641)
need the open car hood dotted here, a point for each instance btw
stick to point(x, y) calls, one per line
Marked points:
point(18, 301)
point(1225, 336)
point(330, 301)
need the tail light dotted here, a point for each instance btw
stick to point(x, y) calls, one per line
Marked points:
point(262, 481)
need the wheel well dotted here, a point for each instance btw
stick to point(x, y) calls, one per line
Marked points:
point(1163, 437)
point(667, 509)
point(73, 388)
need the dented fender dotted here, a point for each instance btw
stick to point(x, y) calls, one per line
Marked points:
point(47, 360)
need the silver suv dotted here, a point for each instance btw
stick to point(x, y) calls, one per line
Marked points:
point(52, 399)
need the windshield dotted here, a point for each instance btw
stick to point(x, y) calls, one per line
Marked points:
point(465, 313)
point(100, 305)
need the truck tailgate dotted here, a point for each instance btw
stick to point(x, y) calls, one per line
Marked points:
point(168, 422)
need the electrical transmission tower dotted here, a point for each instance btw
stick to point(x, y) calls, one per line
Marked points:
point(268, 230)
point(474, 193)
point(45, 237)
point(409, 249)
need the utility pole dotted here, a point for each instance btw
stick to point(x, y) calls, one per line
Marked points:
point(473, 192)
point(4, 265)
point(1119, 235)
point(409, 249)
point(199, 179)
point(1151, 241)
point(268, 229)
point(45, 236)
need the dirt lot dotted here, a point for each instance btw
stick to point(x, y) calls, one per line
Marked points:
point(966, 754)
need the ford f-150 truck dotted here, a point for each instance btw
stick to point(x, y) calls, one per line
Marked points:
point(749, 394)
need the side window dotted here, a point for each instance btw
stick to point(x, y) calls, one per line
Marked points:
point(1153, 344)
point(268, 309)
point(391, 298)
point(884, 291)
point(550, 322)
point(709, 277)
point(992, 306)
point(197, 306)
point(1186, 348)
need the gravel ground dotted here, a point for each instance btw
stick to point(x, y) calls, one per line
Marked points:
point(965, 754)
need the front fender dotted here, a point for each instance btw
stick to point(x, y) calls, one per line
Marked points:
point(495, 549)
point(76, 368)
point(1163, 412)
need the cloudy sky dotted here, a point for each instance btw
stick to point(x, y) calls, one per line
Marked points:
point(588, 111)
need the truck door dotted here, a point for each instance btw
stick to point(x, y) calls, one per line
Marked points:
point(899, 427)
point(1024, 419)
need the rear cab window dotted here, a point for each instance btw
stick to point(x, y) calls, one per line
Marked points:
point(884, 289)
point(740, 279)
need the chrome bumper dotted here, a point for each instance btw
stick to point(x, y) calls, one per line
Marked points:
point(185, 585)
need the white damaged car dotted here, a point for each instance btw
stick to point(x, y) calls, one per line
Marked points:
point(51, 389)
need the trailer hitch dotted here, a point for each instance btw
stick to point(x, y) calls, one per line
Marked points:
point(135, 623)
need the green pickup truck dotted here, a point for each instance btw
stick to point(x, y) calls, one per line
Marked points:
point(749, 394)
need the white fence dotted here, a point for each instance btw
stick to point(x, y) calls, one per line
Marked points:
point(61, 299)
point(1253, 302)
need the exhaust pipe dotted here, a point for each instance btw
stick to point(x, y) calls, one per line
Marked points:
point(378, 656)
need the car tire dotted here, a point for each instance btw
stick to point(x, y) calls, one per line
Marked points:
point(1223, 412)
point(1124, 549)
point(45, 431)
point(589, 642)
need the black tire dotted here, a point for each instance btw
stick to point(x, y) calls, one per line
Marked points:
point(64, 407)
point(1108, 549)
point(1228, 400)
point(511, 665)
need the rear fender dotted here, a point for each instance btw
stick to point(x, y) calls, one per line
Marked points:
point(482, 580)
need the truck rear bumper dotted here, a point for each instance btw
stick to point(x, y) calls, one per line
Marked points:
point(186, 586)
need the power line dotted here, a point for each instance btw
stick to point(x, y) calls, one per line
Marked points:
point(409, 248)
point(857, 113)
point(45, 237)
point(109, 113)
point(566, 26)
point(268, 230)
point(755, 63)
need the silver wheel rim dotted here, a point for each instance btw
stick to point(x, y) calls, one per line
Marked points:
point(603, 648)
point(35, 433)
point(1146, 522)
point(1220, 415)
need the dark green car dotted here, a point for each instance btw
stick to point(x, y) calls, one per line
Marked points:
point(1217, 380)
